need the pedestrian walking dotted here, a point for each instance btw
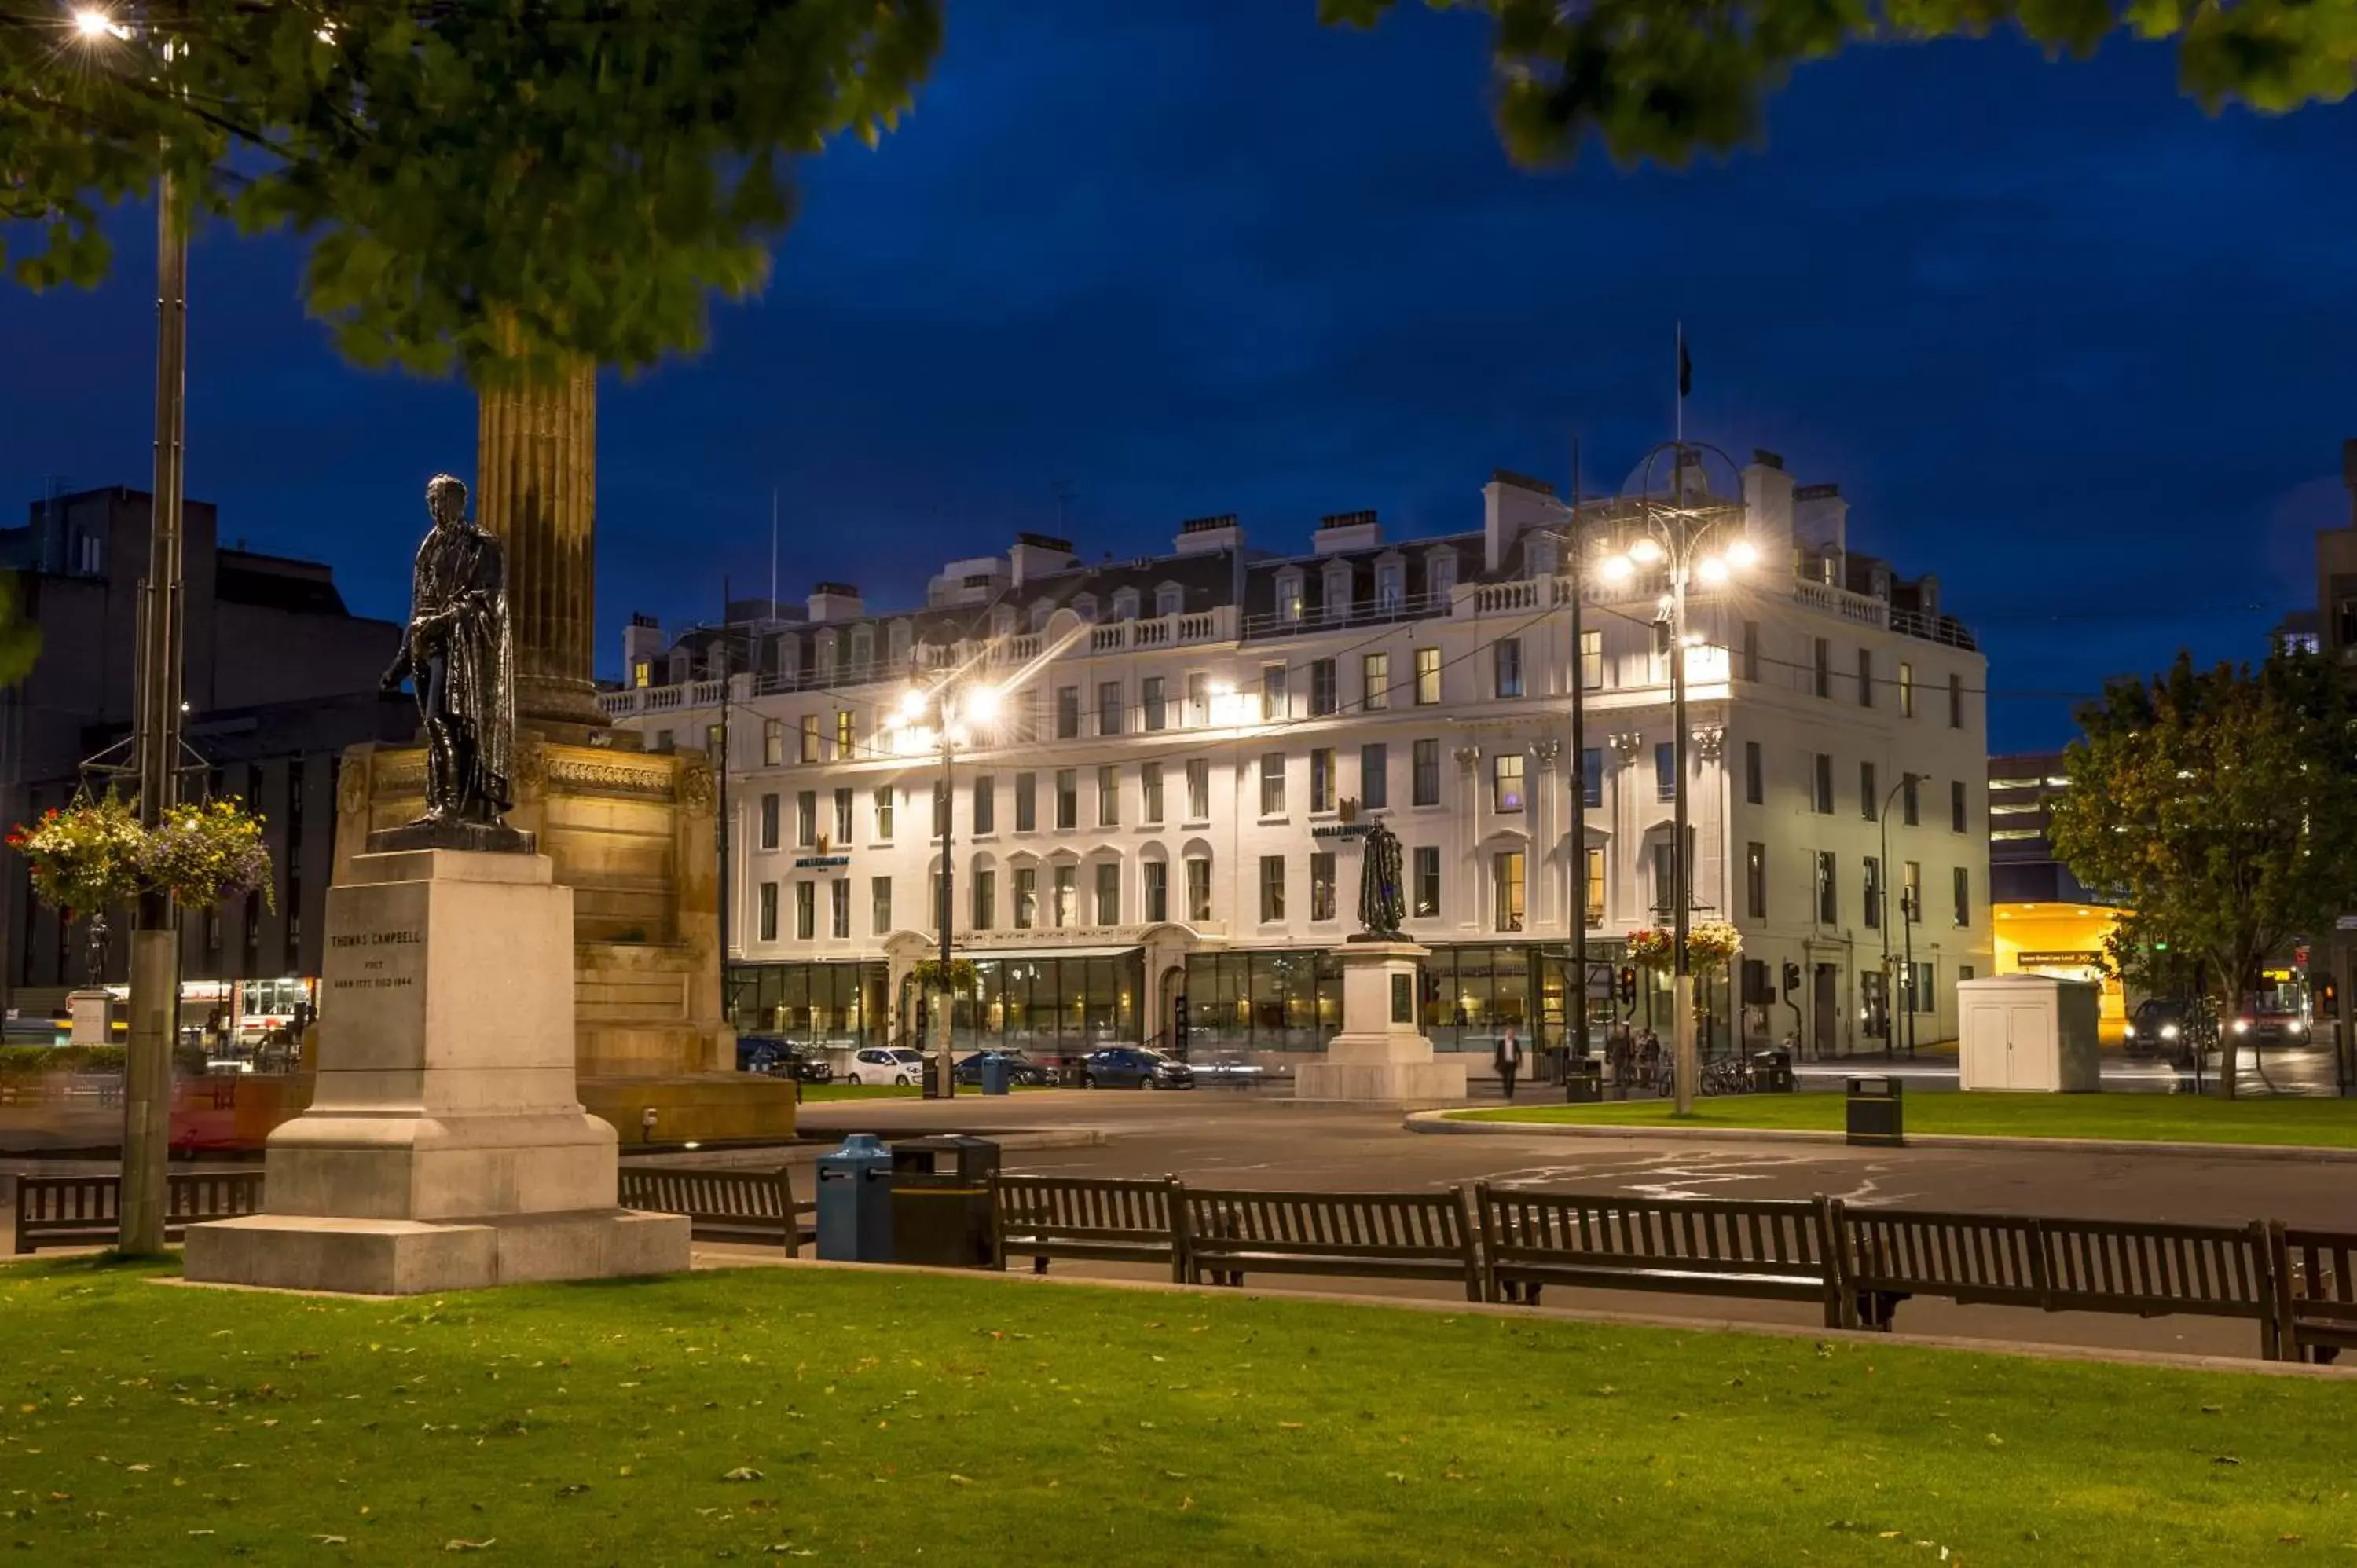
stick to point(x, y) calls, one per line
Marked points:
point(1508, 1059)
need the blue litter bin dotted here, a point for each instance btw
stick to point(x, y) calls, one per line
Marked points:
point(854, 1202)
point(994, 1074)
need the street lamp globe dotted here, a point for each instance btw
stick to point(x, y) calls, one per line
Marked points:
point(1646, 552)
point(1742, 553)
point(981, 703)
point(912, 705)
point(94, 24)
point(1618, 569)
point(1711, 569)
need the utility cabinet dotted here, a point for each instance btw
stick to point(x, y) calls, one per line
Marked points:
point(2030, 1032)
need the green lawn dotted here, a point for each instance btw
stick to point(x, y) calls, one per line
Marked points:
point(756, 1411)
point(2163, 1118)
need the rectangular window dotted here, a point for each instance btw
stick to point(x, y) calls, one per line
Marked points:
point(1866, 677)
point(1755, 776)
point(986, 900)
point(1321, 885)
point(1920, 996)
point(1867, 800)
point(1825, 668)
point(1109, 714)
point(1323, 697)
point(1665, 770)
point(1823, 800)
point(1198, 889)
point(986, 803)
point(884, 814)
point(1906, 690)
point(1750, 669)
point(1321, 778)
point(1149, 792)
point(1591, 661)
point(879, 905)
point(839, 906)
point(1068, 798)
point(1375, 681)
point(1828, 890)
point(1424, 788)
point(1506, 881)
point(1755, 881)
point(1911, 892)
point(1198, 790)
point(1272, 887)
point(1908, 799)
point(1427, 677)
point(1157, 891)
point(1963, 891)
point(1276, 696)
point(768, 822)
point(1506, 781)
point(1108, 796)
point(1873, 913)
point(1027, 896)
point(805, 910)
point(1374, 776)
point(773, 742)
point(1108, 893)
point(1428, 883)
point(1955, 701)
point(1591, 777)
point(1149, 699)
point(806, 819)
point(768, 927)
point(1026, 802)
point(1066, 908)
point(1956, 805)
point(845, 736)
point(844, 812)
point(1506, 658)
point(1271, 784)
point(1068, 712)
point(1594, 902)
point(1665, 881)
point(810, 737)
point(1198, 699)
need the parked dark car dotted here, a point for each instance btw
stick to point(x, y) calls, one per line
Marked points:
point(1022, 1072)
point(801, 1063)
point(2155, 1028)
point(1132, 1067)
point(759, 1053)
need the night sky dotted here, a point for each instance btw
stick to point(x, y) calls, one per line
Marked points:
point(2080, 350)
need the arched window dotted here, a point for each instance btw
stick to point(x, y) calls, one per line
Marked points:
point(862, 651)
point(1124, 605)
point(1168, 599)
point(1338, 590)
point(1288, 597)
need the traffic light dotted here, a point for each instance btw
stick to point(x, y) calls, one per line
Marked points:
point(1625, 986)
point(2328, 997)
point(1791, 977)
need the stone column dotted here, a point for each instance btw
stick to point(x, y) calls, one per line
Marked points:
point(536, 462)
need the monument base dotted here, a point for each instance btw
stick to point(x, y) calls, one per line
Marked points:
point(1381, 1055)
point(407, 1257)
point(90, 1011)
point(490, 838)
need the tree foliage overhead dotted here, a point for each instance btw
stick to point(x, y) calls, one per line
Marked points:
point(2221, 806)
point(1662, 79)
point(575, 176)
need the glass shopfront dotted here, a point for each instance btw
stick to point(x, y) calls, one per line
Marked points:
point(1263, 1001)
point(810, 1004)
point(1054, 1003)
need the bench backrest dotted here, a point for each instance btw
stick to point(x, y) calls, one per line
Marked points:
point(713, 1195)
point(92, 1204)
point(2318, 1273)
point(1764, 1237)
point(1405, 1225)
point(2123, 1266)
point(1993, 1258)
point(1086, 1209)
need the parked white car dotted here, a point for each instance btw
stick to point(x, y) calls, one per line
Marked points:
point(886, 1064)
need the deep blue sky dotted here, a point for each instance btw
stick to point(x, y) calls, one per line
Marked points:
point(2063, 339)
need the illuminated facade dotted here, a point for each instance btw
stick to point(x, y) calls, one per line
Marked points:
point(2046, 921)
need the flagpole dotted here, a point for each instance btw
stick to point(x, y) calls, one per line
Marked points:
point(1678, 380)
point(773, 552)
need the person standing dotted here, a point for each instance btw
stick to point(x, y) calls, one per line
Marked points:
point(1509, 1059)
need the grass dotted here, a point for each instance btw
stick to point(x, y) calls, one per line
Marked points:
point(2161, 1118)
point(756, 1411)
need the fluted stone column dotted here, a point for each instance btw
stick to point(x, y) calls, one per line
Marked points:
point(537, 457)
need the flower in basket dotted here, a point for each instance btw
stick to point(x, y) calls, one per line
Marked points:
point(82, 857)
point(201, 854)
point(928, 971)
point(1711, 942)
point(1651, 946)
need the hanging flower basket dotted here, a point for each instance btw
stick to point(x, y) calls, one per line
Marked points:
point(82, 857)
point(1651, 947)
point(1713, 942)
point(927, 974)
point(203, 854)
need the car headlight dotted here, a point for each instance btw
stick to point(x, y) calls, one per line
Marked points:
point(2169, 1031)
point(2297, 1025)
point(2242, 1026)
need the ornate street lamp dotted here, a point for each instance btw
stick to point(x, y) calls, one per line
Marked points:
point(943, 718)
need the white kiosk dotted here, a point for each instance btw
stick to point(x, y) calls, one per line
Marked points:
point(2029, 1032)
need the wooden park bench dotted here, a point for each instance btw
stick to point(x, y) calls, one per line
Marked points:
point(1772, 1249)
point(87, 1210)
point(1889, 1254)
point(721, 1205)
point(1388, 1235)
point(1092, 1217)
point(2316, 1293)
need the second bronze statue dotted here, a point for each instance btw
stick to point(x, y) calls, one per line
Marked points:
point(458, 656)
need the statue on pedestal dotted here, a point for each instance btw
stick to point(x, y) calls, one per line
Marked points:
point(1383, 900)
point(457, 655)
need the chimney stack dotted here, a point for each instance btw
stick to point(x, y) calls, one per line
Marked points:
point(1209, 535)
point(1039, 555)
point(836, 601)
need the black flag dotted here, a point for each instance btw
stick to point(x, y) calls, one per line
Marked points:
point(1685, 366)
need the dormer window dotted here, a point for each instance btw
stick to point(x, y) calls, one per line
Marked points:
point(1543, 557)
point(863, 649)
point(1039, 614)
point(787, 654)
point(898, 634)
point(1124, 605)
point(1390, 576)
point(1002, 621)
point(1441, 572)
point(1289, 597)
point(1085, 607)
point(1168, 599)
point(827, 644)
point(678, 667)
point(1338, 591)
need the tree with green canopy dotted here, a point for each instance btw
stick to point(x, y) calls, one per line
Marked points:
point(2220, 806)
point(1665, 79)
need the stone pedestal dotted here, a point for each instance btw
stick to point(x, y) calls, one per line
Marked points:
point(93, 1015)
point(1381, 1054)
point(446, 1147)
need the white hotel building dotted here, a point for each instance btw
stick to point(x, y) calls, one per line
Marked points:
point(1156, 812)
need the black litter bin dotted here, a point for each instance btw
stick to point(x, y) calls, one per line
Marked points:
point(941, 1201)
point(1583, 1080)
point(1878, 1116)
point(1771, 1072)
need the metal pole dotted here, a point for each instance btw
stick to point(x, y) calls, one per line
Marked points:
point(1682, 997)
point(945, 1080)
point(1909, 898)
point(1581, 1043)
point(154, 947)
point(720, 820)
point(1882, 917)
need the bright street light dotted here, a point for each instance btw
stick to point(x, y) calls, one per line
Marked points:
point(94, 24)
point(1646, 552)
point(980, 703)
point(1618, 569)
point(1712, 569)
point(1742, 553)
point(912, 705)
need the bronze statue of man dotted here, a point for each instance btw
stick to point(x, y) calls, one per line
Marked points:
point(1382, 902)
point(457, 655)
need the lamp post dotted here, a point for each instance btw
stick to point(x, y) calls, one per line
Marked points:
point(948, 708)
point(1686, 534)
point(1906, 915)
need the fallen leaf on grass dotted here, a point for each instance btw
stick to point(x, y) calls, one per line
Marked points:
point(961, 1480)
point(2225, 1459)
point(329, 1539)
point(454, 1545)
point(1290, 1425)
point(573, 1489)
